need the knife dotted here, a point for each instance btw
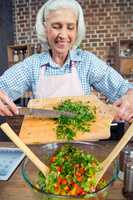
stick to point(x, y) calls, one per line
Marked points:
point(44, 113)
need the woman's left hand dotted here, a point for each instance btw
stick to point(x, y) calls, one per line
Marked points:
point(125, 107)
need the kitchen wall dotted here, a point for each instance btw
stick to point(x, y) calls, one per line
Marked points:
point(107, 21)
point(6, 32)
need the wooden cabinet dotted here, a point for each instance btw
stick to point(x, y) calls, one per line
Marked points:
point(126, 66)
point(124, 57)
point(17, 53)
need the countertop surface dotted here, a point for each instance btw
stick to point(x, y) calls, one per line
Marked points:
point(15, 188)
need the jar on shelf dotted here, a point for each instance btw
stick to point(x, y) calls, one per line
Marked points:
point(39, 48)
point(21, 56)
point(15, 56)
point(25, 53)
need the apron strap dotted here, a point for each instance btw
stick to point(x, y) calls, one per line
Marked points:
point(72, 65)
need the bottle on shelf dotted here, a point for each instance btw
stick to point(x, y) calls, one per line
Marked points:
point(21, 56)
point(32, 49)
point(39, 48)
point(15, 56)
point(25, 53)
point(35, 48)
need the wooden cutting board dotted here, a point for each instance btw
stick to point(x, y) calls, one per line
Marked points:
point(35, 130)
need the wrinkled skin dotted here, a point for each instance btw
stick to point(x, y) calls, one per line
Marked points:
point(125, 107)
point(61, 31)
point(4, 102)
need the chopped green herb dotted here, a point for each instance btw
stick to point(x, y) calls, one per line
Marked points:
point(67, 127)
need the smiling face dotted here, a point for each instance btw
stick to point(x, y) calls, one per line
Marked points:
point(61, 27)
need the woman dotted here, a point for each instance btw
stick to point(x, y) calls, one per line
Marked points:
point(64, 70)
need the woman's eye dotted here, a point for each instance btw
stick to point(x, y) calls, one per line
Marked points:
point(56, 26)
point(71, 28)
point(59, 26)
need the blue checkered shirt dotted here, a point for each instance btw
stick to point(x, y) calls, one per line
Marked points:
point(92, 72)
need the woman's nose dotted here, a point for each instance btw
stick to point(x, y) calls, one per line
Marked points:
point(63, 33)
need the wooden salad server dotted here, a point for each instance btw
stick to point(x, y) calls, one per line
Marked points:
point(114, 153)
point(20, 144)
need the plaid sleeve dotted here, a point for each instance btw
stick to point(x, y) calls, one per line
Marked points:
point(16, 80)
point(107, 80)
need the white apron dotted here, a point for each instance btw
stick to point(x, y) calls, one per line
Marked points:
point(59, 85)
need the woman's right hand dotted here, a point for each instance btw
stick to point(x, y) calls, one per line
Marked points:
point(7, 106)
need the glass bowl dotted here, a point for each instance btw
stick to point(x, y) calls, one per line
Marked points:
point(30, 172)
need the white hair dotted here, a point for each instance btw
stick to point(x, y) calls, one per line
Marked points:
point(51, 5)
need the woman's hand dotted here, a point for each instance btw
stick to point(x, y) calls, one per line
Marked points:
point(7, 107)
point(125, 107)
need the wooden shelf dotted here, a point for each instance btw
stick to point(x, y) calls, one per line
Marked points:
point(124, 57)
point(126, 65)
point(24, 49)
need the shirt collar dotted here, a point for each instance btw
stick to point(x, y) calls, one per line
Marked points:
point(74, 55)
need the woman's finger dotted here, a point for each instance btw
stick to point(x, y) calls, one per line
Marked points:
point(4, 101)
point(4, 110)
point(124, 106)
point(1, 113)
point(130, 118)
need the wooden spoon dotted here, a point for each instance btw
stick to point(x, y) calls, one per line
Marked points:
point(114, 153)
point(19, 143)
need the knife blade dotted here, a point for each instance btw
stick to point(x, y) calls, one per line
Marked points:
point(44, 113)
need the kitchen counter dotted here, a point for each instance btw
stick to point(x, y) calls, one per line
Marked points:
point(15, 188)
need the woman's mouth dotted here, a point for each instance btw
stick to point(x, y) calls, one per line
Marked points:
point(62, 44)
